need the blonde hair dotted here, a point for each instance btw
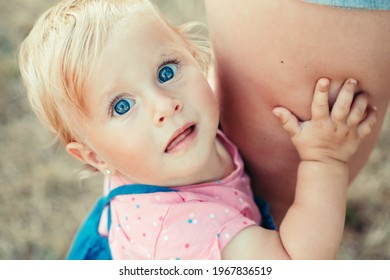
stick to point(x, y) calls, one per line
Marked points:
point(57, 56)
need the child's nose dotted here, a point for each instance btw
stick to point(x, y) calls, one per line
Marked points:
point(166, 108)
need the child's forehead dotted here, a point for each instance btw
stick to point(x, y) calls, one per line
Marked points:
point(145, 29)
point(142, 18)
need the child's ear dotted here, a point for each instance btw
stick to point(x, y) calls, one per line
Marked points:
point(84, 154)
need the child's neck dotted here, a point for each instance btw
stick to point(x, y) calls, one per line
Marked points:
point(222, 165)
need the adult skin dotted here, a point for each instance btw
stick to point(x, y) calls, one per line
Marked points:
point(271, 53)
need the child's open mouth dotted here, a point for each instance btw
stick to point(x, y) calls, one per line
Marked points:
point(180, 137)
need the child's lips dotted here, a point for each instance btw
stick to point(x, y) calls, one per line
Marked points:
point(180, 136)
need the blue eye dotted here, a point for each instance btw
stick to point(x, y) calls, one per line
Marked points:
point(122, 106)
point(167, 72)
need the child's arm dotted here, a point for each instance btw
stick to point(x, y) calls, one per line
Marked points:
point(313, 226)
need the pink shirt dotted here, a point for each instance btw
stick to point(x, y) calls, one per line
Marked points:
point(195, 222)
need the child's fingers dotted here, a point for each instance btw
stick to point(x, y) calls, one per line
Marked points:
point(343, 103)
point(320, 105)
point(289, 122)
point(358, 110)
point(366, 126)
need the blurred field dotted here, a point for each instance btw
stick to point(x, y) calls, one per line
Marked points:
point(42, 202)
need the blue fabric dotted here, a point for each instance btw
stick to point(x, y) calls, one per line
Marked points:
point(90, 245)
point(267, 220)
point(355, 4)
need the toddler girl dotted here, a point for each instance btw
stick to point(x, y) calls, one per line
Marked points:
point(127, 94)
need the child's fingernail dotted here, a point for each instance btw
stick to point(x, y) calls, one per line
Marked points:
point(324, 82)
point(276, 112)
point(352, 81)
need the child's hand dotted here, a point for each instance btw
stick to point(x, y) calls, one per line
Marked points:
point(333, 135)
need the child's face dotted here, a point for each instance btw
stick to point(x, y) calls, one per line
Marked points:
point(153, 116)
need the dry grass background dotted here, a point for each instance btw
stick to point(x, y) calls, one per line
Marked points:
point(42, 202)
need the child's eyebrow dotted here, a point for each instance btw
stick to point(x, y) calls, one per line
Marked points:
point(169, 52)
